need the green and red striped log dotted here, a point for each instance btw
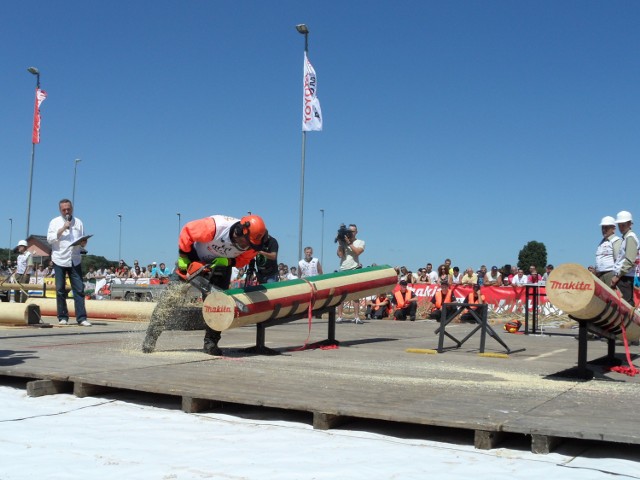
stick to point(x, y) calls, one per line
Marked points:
point(284, 299)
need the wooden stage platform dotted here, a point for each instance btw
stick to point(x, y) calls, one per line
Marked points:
point(499, 399)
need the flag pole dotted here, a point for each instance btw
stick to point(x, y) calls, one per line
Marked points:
point(302, 29)
point(36, 72)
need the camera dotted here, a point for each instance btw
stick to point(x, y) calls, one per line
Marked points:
point(343, 234)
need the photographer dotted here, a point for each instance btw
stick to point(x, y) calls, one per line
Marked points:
point(349, 250)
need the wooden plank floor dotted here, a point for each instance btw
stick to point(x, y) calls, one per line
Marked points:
point(371, 376)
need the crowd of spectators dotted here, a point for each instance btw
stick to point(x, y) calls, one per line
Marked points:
point(506, 276)
point(124, 271)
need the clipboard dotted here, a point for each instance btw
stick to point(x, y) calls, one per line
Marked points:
point(80, 240)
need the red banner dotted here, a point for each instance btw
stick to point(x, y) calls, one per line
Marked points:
point(496, 296)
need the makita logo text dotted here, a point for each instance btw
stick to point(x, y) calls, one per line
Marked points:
point(218, 309)
point(571, 285)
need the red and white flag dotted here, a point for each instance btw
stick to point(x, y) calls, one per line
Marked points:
point(40, 96)
point(311, 112)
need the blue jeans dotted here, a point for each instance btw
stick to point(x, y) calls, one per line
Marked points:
point(77, 286)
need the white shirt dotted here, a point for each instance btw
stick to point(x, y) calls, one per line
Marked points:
point(519, 281)
point(62, 253)
point(606, 252)
point(308, 269)
point(350, 261)
point(25, 263)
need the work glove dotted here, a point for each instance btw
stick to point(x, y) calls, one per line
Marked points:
point(221, 262)
point(183, 263)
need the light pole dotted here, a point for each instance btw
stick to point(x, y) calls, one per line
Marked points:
point(303, 30)
point(179, 223)
point(36, 72)
point(120, 238)
point(10, 236)
point(75, 171)
point(322, 238)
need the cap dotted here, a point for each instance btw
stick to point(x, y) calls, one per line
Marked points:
point(154, 263)
point(403, 283)
point(624, 217)
point(607, 221)
point(494, 268)
point(22, 243)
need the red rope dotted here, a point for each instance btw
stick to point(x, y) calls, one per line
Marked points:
point(307, 345)
point(631, 370)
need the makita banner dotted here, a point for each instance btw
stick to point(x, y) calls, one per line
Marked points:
point(311, 112)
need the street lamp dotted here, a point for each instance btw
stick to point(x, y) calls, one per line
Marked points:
point(179, 224)
point(120, 238)
point(303, 30)
point(10, 236)
point(75, 170)
point(36, 72)
point(322, 239)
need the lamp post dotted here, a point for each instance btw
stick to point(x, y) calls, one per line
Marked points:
point(303, 30)
point(75, 171)
point(322, 238)
point(10, 236)
point(120, 238)
point(36, 72)
point(179, 223)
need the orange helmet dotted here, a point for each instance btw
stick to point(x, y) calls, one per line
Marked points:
point(512, 326)
point(254, 229)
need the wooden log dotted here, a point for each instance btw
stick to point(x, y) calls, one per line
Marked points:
point(579, 293)
point(105, 309)
point(284, 299)
point(22, 286)
point(19, 314)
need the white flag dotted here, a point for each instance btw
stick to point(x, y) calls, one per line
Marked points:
point(311, 112)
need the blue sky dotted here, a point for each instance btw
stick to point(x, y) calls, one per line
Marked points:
point(460, 129)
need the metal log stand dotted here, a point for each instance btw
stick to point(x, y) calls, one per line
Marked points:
point(479, 315)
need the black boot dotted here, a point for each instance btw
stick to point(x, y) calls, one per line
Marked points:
point(211, 338)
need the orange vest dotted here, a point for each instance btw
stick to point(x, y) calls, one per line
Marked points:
point(401, 301)
point(439, 302)
point(472, 299)
point(379, 303)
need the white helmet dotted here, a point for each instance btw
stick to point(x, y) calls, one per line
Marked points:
point(22, 243)
point(607, 221)
point(624, 217)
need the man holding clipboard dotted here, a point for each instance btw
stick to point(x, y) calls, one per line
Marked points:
point(67, 239)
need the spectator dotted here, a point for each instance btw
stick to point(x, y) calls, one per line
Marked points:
point(433, 276)
point(443, 274)
point(481, 274)
point(404, 275)
point(293, 273)
point(469, 277)
point(493, 278)
point(534, 277)
point(442, 296)
point(91, 274)
point(40, 273)
point(447, 264)
point(63, 233)
point(309, 266)
point(547, 271)
point(349, 251)
point(456, 277)
point(423, 276)
point(136, 272)
point(379, 307)
point(520, 280)
point(121, 267)
point(475, 296)
point(162, 273)
point(607, 250)
point(24, 270)
point(406, 303)
point(625, 267)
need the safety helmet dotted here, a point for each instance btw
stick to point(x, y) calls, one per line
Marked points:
point(607, 221)
point(254, 229)
point(513, 326)
point(624, 217)
point(22, 243)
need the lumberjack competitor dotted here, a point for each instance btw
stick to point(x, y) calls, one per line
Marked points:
point(220, 242)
